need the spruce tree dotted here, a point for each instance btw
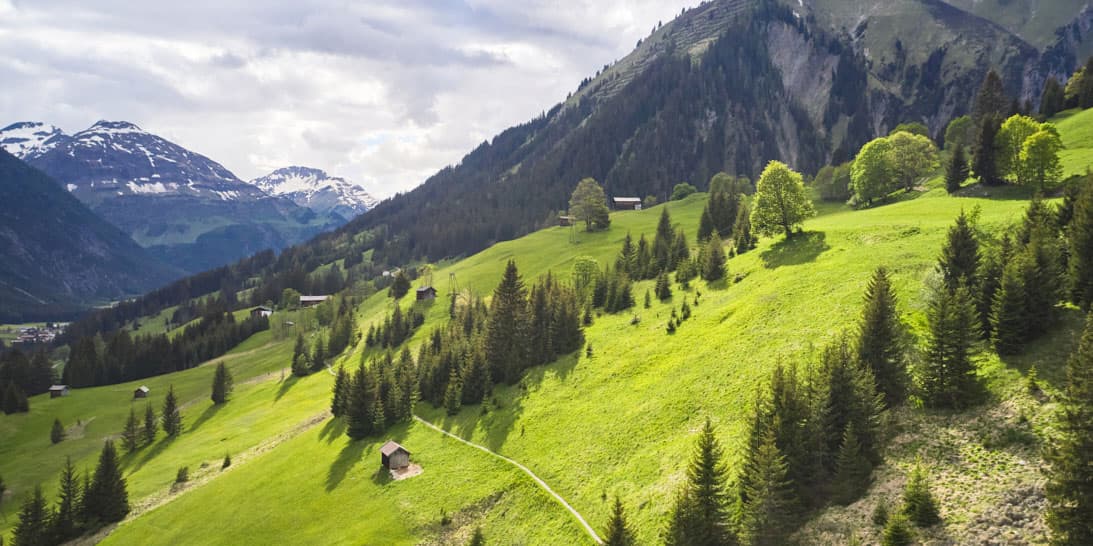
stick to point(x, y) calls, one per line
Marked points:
point(957, 170)
point(848, 396)
point(662, 242)
point(918, 502)
point(300, 364)
point(948, 376)
point(130, 435)
point(151, 424)
point(700, 517)
point(1069, 488)
point(222, 384)
point(33, 528)
point(362, 392)
point(57, 433)
point(66, 519)
point(618, 530)
point(1053, 99)
point(1009, 315)
point(1080, 245)
point(663, 287)
point(714, 268)
point(880, 335)
point(171, 417)
point(743, 239)
point(507, 327)
point(705, 225)
point(897, 531)
point(108, 495)
point(648, 304)
point(339, 401)
point(852, 468)
point(318, 355)
point(990, 281)
point(991, 100)
point(769, 506)
point(453, 394)
point(985, 160)
point(959, 260)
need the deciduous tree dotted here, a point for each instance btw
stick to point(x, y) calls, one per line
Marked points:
point(588, 204)
point(781, 201)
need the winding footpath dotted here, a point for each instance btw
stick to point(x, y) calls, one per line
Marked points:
point(580, 519)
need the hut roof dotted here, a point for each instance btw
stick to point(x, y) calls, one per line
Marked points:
point(391, 447)
point(142, 388)
point(58, 387)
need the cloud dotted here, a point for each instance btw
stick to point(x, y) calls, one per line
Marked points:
point(384, 93)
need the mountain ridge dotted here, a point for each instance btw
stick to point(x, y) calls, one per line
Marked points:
point(316, 190)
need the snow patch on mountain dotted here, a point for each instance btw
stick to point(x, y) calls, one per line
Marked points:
point(27, 139)
point(316, 190)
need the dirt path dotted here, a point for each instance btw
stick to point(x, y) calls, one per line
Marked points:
point(580, 519)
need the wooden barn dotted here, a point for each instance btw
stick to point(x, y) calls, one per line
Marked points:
point(426, 293)
point(626, 203)
point(394, 456)
point(565, 221)
point(261, 311)
point(141, 392)
point(311, 301)
point(57, 391)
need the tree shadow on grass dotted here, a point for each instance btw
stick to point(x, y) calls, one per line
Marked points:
point(1049, 352)
point(285, 386)
point(333, 429)
point(141, 457)
point(349, 456)
point(209, 412)
point(802, 248)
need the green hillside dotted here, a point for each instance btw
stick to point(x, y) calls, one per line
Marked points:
point(621, 421)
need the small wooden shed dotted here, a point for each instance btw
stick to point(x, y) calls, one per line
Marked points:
point(57, 391)
point(141, 392)
point(311, 301)
point(627, 203)
point(394, 456)
point(261, 311)
point(565, 221)
point(426, 293)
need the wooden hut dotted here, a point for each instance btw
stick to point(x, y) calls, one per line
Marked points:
point(141, 392)
point(260, 311)
point(394, 456)
point(57, 391)
point(311, 301)
point(426, 293)
point(626, 203)
point(565, 221)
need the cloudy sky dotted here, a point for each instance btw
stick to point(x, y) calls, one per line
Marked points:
point(381, 92)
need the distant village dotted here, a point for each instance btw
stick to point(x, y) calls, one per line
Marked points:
point(34, 335)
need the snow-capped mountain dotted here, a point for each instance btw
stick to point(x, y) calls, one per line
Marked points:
point(316, 190)
point(27, 139)
point(114, 158)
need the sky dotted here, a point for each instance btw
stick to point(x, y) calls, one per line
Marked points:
point(384, 93)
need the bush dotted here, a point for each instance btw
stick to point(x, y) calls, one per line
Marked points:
point(183, 475)
point(682, 190)
point(227, 462)
point(897, 532)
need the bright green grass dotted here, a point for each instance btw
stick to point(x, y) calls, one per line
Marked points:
point(1076, 128)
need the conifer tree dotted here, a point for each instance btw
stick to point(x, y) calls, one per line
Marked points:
point(648, 304)
point(948, 378)
point(714, 268)
point(108, 495)
point(959, 260)
point(57, 433)
point(897, 531)
point(848, 396)
point(957, 171)
point(705, 224)
point(700, 517)
point(33, 528)
point(662, 243)
point(880, 334)
point(300, 365)
point(1009, 315)
point(506, 328)
point(918, 502)
point(66, 519)
point(663, 288)
point(1053, 99)
point(453, 395)
point(362, 393)
point(222, 384)
point(477, 539)
point(130, 435)
point(171, 417)
point(1069, 488)
point(991, 100)
point(852, 468)
point(340, 399)
point(318, 355)
point(743, 239)
point(618, 530)
point(985, 161)
point(151, 424)
point(769, 505)
point(1080, 244)
point(990, 281)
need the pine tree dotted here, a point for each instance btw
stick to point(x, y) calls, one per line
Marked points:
point(897, 531)
point(918, 502)
point(991, 100)
point(1009, 315)
point(340, 399)
point(1053, 99)
point(318, 355)
point(985, 161)
point(1080, 244)
point(847, 397)
point(362, 392)
point(227, 461)
point(880, 334)
point(957, 171)
point(57, 433)
point(453, 395)
point(852, 468)
point(700, 517)
point(151, 424)
point(14, 400)
point(1069, 488)
point(663, 287)
point(743, 239)
point(222, 384)
point(648, 304)
point(959, 260)
point(507, 327)
point(769, 505)
point(948, 378)
point(66, 519)
point(130, 435)
point(714, 268)
point(990, 281)
point(171, 417)
point(109, 498)
point(33, 528)
point(618, 530)
point(705, 225)
point(300, 364)
point(662, 243)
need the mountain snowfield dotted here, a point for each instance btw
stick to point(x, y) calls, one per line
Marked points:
point(26, 139)
point(316, 190)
